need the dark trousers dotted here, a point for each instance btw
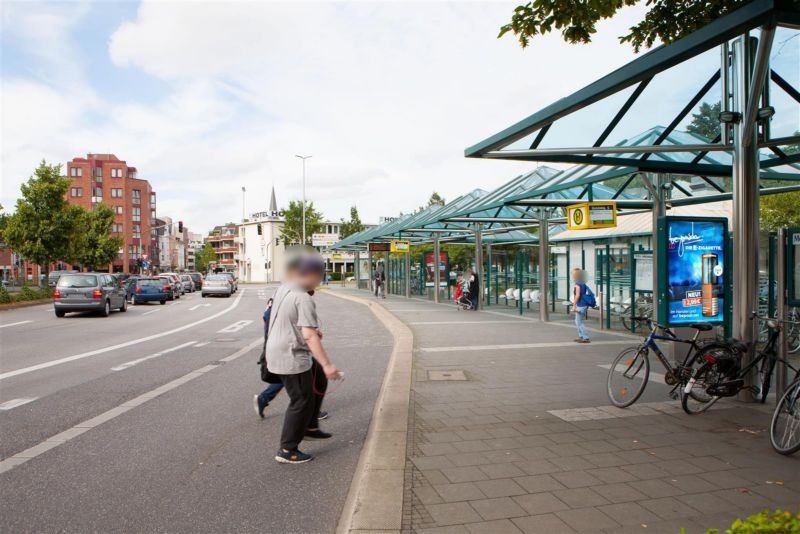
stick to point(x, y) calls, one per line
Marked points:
point(306, 392)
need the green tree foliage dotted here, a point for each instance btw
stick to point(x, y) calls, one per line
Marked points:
point(293, 222)
point(44, 223)
point(96, 246)
point(204, 256)
point(706, 121)
point(352, 226)
point(435, 200)
point(780, 210)
point(3, 222)
point(666, 21)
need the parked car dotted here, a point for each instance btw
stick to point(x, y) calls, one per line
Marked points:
point(52, 278)
point(233, 281)
point(170, 287)
point(176, 279)
point(217, 284)
point(197, 278)
point(150, 290)
point(98, 292)
point(130, 286)
point(188, 283)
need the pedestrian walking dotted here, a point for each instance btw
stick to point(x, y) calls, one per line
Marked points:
point(294, 337)
point(582, 300)
point(380, 282)
point(473, 288)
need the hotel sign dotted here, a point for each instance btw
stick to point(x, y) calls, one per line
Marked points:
point(267, 215)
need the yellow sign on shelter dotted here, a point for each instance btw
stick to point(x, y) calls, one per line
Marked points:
point(401, 245)
point(588, 215)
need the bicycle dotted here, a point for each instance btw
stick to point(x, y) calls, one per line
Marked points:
point(630, 370)
point(787, 417)
point(643, 307)
point(721, 375)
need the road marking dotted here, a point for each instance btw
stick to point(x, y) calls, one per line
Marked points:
point(131, 363)
point(152, 311)
point(466, 322)
point(53, 363)
point(517, 346)
point(20, 458)
point(13, 403)
point(15, 324)
point(235, 327)
point(203, 344)
point(199, 306)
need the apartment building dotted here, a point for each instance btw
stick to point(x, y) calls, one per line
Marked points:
point(106, 178)
point(223, 240)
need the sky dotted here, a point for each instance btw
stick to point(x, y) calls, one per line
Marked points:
point(205, 98)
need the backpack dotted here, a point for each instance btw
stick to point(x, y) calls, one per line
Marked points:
point(266, 374)
point(588, 297)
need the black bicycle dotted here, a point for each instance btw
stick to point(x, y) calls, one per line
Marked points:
point(630, 371)
point(722, 375)
point(784, 430)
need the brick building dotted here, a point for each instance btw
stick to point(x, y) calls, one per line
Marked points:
point(108, 179)
point(225, 242)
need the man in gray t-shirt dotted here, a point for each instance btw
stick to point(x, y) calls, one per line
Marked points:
point(294, 337)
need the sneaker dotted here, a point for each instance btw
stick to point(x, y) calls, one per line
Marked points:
point(258, 406)
point(584, 341)
point(316, 435)
point(323, 415)
point(292, 457)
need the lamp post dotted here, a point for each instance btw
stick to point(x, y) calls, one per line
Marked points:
point(304, 158)
point(243, 194)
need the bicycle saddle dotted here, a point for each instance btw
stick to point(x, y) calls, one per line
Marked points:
point(703, 327)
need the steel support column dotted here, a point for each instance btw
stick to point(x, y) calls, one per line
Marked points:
point(436, 276)
point(745, 222)
point(655, 185)
point(407, 257)
point(356, 269)
point(478, 265)
point(544, 269)
point(781, 312)
point(371, 272)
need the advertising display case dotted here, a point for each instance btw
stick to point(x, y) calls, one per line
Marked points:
point(693, 269)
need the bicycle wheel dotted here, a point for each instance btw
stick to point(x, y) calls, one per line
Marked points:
point(694, 399)
point(784, 431)
point(625, 324)
point(793, 338)
point(628, 376)
point(765, 377)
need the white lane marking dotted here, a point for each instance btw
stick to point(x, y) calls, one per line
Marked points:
point(517, 346)
point(15, 324)
point(13, 403)
point(103, 350)
point(655, 377)
point(235, 327)
point(203, 344)
point(418, 310)
point(569, 325)
point(466, 322)
point(11, 462)
point(199, 306)
point(152, 311)
point(131, 363)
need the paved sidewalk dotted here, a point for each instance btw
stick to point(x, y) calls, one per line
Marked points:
point(511, 431)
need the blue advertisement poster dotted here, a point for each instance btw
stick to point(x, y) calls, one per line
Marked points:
point(696, 277)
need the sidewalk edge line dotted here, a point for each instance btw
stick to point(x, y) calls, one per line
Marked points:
point(375, 498)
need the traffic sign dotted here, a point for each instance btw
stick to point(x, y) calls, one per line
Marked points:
point(401, 245)
point(588, 215)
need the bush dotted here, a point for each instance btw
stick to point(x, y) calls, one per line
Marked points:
point(5, 297)
point(767, 522)
point(27, 293)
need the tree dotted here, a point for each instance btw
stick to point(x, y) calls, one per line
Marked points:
point(44, 223)
point(435, 200)
point(204, 257)
point(293, 222)
point(780, 210)
point(352, 226)
point(667, 20)
point(706, 121)
point(3, 222)
point(96, 246)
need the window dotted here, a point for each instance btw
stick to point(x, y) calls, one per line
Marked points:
point(116, 228)
point(75, 171)
point(119, 210)
point(98, 192)
point(116, 173)
point(137, 231)
point(98, 174)
point(76, 192)
point(116, 192)
point(137, 196)
point(137, 214)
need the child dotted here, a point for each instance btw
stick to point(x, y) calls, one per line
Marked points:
point(580, 304)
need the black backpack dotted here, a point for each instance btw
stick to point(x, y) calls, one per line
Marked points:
point(266, 375)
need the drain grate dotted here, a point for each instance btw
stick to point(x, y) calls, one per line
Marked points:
point(455, 375)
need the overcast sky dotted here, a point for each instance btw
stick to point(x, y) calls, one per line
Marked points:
point(206, 97)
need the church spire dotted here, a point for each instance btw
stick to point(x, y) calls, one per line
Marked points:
point(273, 204)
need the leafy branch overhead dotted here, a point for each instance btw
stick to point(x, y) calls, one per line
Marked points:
point(666, 21)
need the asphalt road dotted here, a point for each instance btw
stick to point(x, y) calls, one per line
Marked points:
point(194, 458)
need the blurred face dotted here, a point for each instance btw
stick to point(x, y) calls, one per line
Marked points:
point(576, 275)
point(310, 280)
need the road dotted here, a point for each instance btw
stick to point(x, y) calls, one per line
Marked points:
point(143, 421)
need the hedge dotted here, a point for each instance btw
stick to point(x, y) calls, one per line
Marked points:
point(25, 294)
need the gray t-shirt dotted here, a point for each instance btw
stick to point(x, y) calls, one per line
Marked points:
point(287, 351)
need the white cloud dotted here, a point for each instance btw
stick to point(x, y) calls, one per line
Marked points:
point(386, 96)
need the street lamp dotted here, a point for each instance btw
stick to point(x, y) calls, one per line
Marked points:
point(304, 158)
point(243, 193)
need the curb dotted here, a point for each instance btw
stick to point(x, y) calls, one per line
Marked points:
point(375, 499)
point(25, 304)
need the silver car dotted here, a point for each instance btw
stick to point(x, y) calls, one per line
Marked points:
point(98, 292)
point(216, 284)
point(187, 282)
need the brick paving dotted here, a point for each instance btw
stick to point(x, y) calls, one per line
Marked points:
point(528, 443)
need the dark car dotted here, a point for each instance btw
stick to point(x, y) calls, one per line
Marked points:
point(149, 290)
point(173, 290)
point(198, 281)
point(130, 286)
point(98, 292)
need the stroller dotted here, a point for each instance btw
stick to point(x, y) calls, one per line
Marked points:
point(461, 297)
